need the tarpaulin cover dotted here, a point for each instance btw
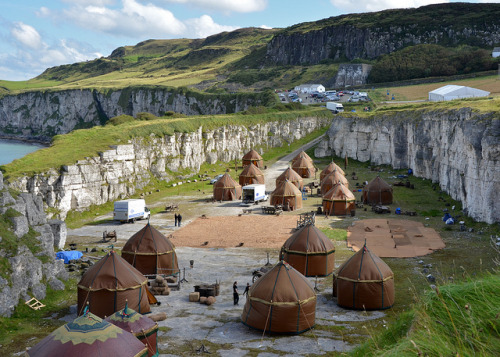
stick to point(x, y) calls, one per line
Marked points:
point(253, 157)
point(364, 281)
point(281, 301)
point(227, 189)
point(109, 284)
point(309, 251)
point(89, 335)
point(150, 252)
point(250, 175)
point(377, 192)
point(69, 255)
point(304, 167)
point(288, 195)
point(330, 168)
point(140, 326)
point(290, 175)
point(331, 180)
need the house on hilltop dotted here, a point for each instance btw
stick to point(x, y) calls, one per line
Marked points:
point(309, 88)
point(451, 92)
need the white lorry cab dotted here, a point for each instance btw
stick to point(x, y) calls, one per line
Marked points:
point(130, 210)
point(254, 193)
point(335, 107)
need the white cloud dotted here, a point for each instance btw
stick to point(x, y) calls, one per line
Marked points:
point(377, 5)
point(205, 26)
point(90, 2)
point(27, 35)
point(43, 12)
point(226, 5)
point(265, 27)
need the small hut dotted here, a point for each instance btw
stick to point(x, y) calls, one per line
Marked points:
point(89, 335)
point(227, 189)
point(301, 155)
point(330, 168)
point(309, 251)
point(141, 326)
point(377, 192)
point(304, 167)
point(281, 301)
point(339, 201)
point(364, 282)
point(253, 157)
point(150, 252)
point(292, 176)
point(331, 180)
point(251, 174)
point(109, 284)
point(287, 195)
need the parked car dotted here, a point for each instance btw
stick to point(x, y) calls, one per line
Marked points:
point(215, 179)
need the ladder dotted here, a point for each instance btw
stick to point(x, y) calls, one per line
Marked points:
point(34, 304)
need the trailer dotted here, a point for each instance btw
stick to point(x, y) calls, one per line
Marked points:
point(254, 193)
point(130, 210)
point(335, 107)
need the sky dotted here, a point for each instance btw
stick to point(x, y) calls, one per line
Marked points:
point(39, 34)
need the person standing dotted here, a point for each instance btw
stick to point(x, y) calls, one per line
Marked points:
point(236, 296)
point(247, 288)
point(179, 219)
point(176, 217)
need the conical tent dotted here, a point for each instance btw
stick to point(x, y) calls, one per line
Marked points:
point(309, 251)
point(330, 168)
point(301, 155)
point(251, 174)
point(150, 252)
point(253, 157)
point(89, 335)
point(291, 176)
point(227, 189)
point(377, 192)
point(287, 195)
point(364, 282)
point(141, 326)
point(304, 167)
point(109, 284)
point(339, 201)
point(281, 301)
point(331, 180)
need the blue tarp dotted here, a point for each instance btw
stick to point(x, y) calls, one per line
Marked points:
point(69, 255)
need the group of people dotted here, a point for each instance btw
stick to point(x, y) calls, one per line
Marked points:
point(236, 295)
point(178, 219)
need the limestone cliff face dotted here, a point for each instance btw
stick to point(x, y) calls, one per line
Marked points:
point(120, 171)
point(459, 149)
point(27, 246)
point(41, 115)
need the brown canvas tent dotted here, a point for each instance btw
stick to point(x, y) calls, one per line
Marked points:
point(141, 326)
point(89, 335)
point(309, 251)
point(330, 168)
point(253, 157)
point(377, 192)
point(227, 189)
point(331, 180)
point(251, 174)
point(304, 167)
point(287, 195)
point(339, 201)
point(364, 282)
point(290, 175)
point(281, 301)
point(109, 284)
point(301, 155)
point(150, 252)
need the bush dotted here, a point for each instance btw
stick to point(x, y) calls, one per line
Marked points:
point(145, 116)
point(120, 119)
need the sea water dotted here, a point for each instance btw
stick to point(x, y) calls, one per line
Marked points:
point(11, 150)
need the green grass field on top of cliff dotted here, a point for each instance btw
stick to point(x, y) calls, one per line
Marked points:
point(67, 149)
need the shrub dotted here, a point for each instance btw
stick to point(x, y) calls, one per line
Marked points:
point(145, 116)
point(120, 119)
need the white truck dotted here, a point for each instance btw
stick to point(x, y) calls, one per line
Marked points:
point(335, 107)
point(130, 210)
point(254, 193)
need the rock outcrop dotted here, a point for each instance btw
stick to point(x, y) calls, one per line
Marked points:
point(41, 115)
point(459, 149)
point(351, 75)
point(26, 250)
point(120, 171)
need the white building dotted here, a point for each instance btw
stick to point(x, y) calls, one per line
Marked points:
point(496, 52)
point(451, 92)
point(309, 88)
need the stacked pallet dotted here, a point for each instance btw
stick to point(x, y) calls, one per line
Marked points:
point(160, 286)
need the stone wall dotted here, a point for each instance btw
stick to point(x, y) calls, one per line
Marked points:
point(459, 149)
point(120, 171)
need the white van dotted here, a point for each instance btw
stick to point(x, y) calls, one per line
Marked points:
point(335, 107)
point(130, 210)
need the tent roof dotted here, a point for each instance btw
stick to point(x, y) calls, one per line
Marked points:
point(301, 155)
point(251, 171)
point(364, 266)
point(148, 240)
point(286, 188)
point(131, 321)
point(112, 273)
point(252, 155)
point(334, 177)
point(377, 184)
point(226, 181)
point(332, 167)
point(89, 335)
point(452, 89)
point(310, 240)
point(302, 162)
point(339, 193)
point(290, 175)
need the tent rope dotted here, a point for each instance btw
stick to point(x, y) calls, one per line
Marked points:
point(148, 345)
point(265, 326)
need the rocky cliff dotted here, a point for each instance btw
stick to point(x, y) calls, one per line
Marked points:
point(41, 115)
point(456, 148)
point(120, 171)
point(27, 242)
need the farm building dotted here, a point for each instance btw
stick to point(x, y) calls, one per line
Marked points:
point(309, 88)
point(451, 92)
point(496, 52)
